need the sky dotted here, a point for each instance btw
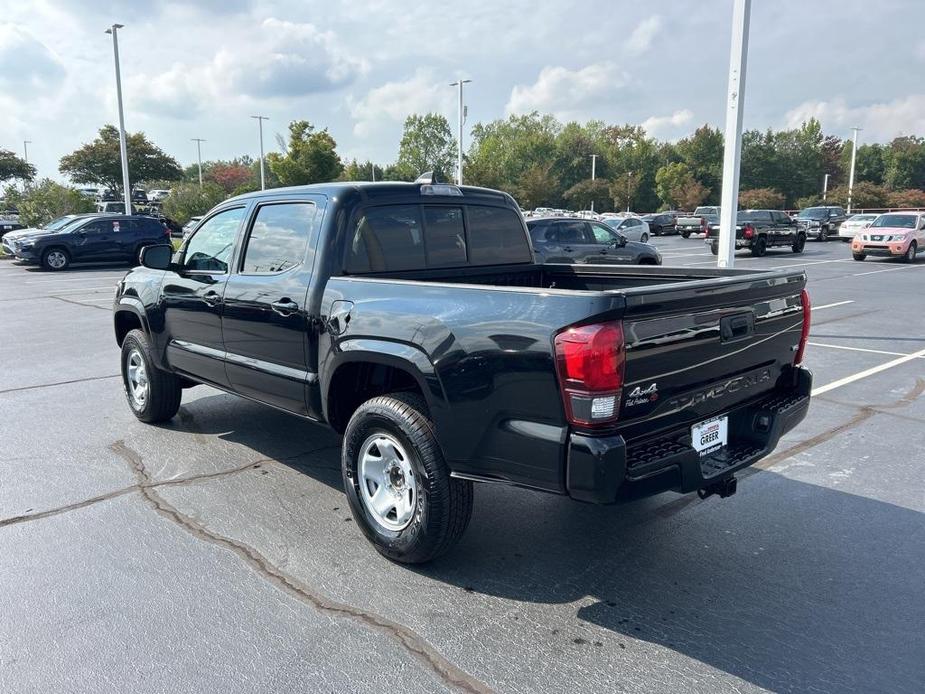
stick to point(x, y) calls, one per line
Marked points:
point(200, 69)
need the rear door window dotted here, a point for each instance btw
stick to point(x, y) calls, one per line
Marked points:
point(387, 238)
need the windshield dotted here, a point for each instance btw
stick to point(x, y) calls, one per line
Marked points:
point(862, 217)
point(896, 221)
point(613, 222)
point(706, 210)
point(59, 222)
point(814, 213)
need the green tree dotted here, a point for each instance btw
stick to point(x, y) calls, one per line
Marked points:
point(677, 188)
point(12, 166)
point(634, 157)
point(45, 200)
point(357, 171)
point(905, 163)
point(624, 190)
point(702, 152)
point(864, 195)
point(187, 200)
point(427, 144)
point(870, 163)
point(761, 199)
point(310, 157)
point(502, 151)
point(584, 193)
point(575, 144)
point(100, 162)
point(536, 186)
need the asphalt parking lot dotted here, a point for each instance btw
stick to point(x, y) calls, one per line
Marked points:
point(217, 553)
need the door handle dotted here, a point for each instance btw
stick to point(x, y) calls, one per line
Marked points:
point(567, 249)
point(284, 306)
point(212, 298)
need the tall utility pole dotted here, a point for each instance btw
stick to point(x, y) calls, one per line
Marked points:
point(373, 167)
point(263, 180)
point(729, 200)
point(629, 187)
point(459, 139)
point(854, 156)
point(25, 149)
point(593, 174)
point(825, 187)
point(199, 141)
point(126, 188)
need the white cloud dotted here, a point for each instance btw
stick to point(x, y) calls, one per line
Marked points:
point(279, 59)
point(565, 92)
point(643, 34)
point(880, 121)
point(26, 64)
point(656, 125)
point(920, 51)
point(394, 101)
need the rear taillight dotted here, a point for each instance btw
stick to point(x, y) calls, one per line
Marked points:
point(748, 231)
point(804, 333)
point(590, 362)
point(704, 227)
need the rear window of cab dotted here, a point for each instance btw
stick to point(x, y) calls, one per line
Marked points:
point(414, 237)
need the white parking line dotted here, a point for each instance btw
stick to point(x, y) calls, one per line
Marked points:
point(55, 280)
point(867, 372)
point(889, 269)
point(858, 349)
point(837, 303)
point(83, 290)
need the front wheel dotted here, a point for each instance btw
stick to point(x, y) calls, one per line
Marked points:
point(909, 257)
point(153, 395)
point(799, 244)
point(824, 234)
point(714, 248)
point(859, 256)
point(644, 238)
point(56, 259)
point(760, 247)
point(398, 485)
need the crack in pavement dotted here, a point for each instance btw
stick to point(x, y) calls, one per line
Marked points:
point(59, 383)
point(447, 671)
point(79, 303)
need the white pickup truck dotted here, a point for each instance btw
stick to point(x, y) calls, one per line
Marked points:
point(699, 222)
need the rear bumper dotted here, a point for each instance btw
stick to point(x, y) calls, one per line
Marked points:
point(604, 470)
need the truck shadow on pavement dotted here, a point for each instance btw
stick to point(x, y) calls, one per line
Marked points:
point(789, 586)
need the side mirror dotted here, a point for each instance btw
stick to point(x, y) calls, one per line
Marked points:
point(157, 257)
point(620, 241)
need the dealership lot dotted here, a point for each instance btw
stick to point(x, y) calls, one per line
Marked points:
point(217, 552)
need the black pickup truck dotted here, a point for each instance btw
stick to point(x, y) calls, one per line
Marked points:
point(413, 318)
point(759, 230)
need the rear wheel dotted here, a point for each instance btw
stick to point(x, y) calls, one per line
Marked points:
point(760, 247)
point(55, 259)
point(799, 244)
point(714, 248)
point(398, 485)
point(645, 237)
point(859, 256)
point(910, 254)
point(685, 234)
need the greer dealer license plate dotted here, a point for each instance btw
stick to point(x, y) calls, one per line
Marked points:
point(710, 436)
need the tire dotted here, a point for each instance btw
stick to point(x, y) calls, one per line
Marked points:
point(152, 393)
point(645, 238)
point(859, 256)
point(56, 259)
point(823, 234)
point(760, 247)
point(799, 244)
point(910, 254)
point(714, 248)
point(685, 234)
point(432, 513)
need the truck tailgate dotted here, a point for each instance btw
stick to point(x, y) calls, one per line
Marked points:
point(696, 350)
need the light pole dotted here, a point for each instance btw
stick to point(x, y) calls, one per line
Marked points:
point(126, 189)
point(263, 180)
point(593, 175)
point(459, 139)
point(629, 187)
point(373, 167)
point(25, 149)
point(825, 187)
point(854, 156)
point(729, 200)
point(198, 141)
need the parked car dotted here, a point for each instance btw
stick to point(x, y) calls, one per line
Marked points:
point(105, 195)
point(158, 195)
point(661, 223)
point(7, 226)
point(56, 224)
point(699, 222)
point(190, 226)
point(91, 239)
point(564, 240)
point(139, 196)
point(892, 235)
point(854, 224)
point(759, 230)
point(90, 193)
point(413, 319)
point(633, 228)
point(821, 222)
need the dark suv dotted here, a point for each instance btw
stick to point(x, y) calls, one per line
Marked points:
point(97, 238)
point(564, 240)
